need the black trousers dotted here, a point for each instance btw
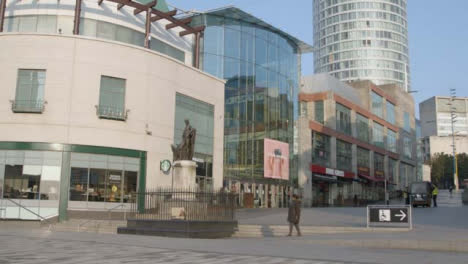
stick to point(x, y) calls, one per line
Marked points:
point(434, 199)
point(291, 225)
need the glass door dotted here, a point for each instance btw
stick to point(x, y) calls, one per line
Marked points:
point(114, 186)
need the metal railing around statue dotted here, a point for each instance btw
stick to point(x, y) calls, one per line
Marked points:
point(183, 204)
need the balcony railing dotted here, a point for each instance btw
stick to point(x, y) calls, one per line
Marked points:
point(27, 106)
point(114, 113)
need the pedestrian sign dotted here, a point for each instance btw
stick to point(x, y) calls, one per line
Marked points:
point(389, 215)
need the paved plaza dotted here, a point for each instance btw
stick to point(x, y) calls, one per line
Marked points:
point(440, 235)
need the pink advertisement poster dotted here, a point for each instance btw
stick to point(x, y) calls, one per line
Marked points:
point(276, 159)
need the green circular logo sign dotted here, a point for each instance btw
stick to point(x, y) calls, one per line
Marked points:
point(165, 165)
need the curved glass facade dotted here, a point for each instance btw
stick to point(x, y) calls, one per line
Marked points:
point(362, 40)
point(261, 69)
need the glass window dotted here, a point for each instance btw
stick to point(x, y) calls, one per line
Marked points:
point(129, 186)
point(106, 30)
point(112, 98)
point(65, 25)
point(343, 156)
point(363, 157)
point(377, 102)
point(407, 148)
point(406, 120)
point(79, 184)
point(391, 141)
point(27, 24)
point(320, 149)
point(362, 128)
point(124, 34)
point(167, 49)
point(88, 27)
point(390, 113)
point(47, 24)
point(232, 43)
point(378, 165)
point(200, 116)
point(213, 40)
point(30, 91)
point(343, 119)
point(319, 112)
point(378, 135)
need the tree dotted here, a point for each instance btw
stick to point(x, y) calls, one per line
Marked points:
point(442, 169)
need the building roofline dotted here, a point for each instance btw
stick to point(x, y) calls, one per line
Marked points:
point(236, 13)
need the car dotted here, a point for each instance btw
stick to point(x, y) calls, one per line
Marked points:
point(420, 193)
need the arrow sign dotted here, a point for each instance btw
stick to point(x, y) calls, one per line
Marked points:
point(402, 215)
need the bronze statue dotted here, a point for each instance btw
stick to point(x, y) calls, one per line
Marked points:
point(186, 148)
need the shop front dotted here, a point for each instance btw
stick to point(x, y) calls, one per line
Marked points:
point(42, 180)
point(331, 187)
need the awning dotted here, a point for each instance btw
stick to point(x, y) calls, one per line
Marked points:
point(326, 178)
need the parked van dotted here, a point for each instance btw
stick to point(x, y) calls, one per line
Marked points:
point(421, 194)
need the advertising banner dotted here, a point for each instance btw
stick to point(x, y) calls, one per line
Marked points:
point(276, 159)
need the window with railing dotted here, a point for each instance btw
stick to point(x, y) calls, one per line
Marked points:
point(29, 91)
point(112, 99)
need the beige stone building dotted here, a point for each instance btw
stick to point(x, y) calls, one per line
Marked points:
point(87, 119)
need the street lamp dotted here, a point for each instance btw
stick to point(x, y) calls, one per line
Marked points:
point(453, 116)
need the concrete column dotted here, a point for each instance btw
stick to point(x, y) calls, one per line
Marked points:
point(353, 124)
point(333, 152)
point(274, 194)
point(305, 159)
point(329, 106)
point(64, 186)
point(354, 158)
point(371, 165)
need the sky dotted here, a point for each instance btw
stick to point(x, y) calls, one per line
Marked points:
point(437, 33)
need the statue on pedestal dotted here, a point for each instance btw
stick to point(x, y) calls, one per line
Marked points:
point(186, 148)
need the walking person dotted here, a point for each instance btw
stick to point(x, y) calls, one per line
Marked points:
point(450, 190)
point(435, 192)
point(294, 214)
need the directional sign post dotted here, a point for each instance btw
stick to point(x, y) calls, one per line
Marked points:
point(389, 215)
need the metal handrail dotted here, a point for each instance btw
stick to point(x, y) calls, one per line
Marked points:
point(109, 211)
point(32, 212)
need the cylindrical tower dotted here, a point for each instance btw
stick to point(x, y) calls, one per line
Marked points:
point(362, 40)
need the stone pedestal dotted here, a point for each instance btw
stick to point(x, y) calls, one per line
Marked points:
point(185, 174)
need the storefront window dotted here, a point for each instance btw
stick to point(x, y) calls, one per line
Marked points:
point(33, 176)
point(377, 102)
point(343, 155)
point(320, 149)
point(378, 135)
point(362, 128)
point(103, 178)
point(343, 119)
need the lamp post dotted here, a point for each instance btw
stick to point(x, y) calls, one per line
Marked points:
point(453, 116)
